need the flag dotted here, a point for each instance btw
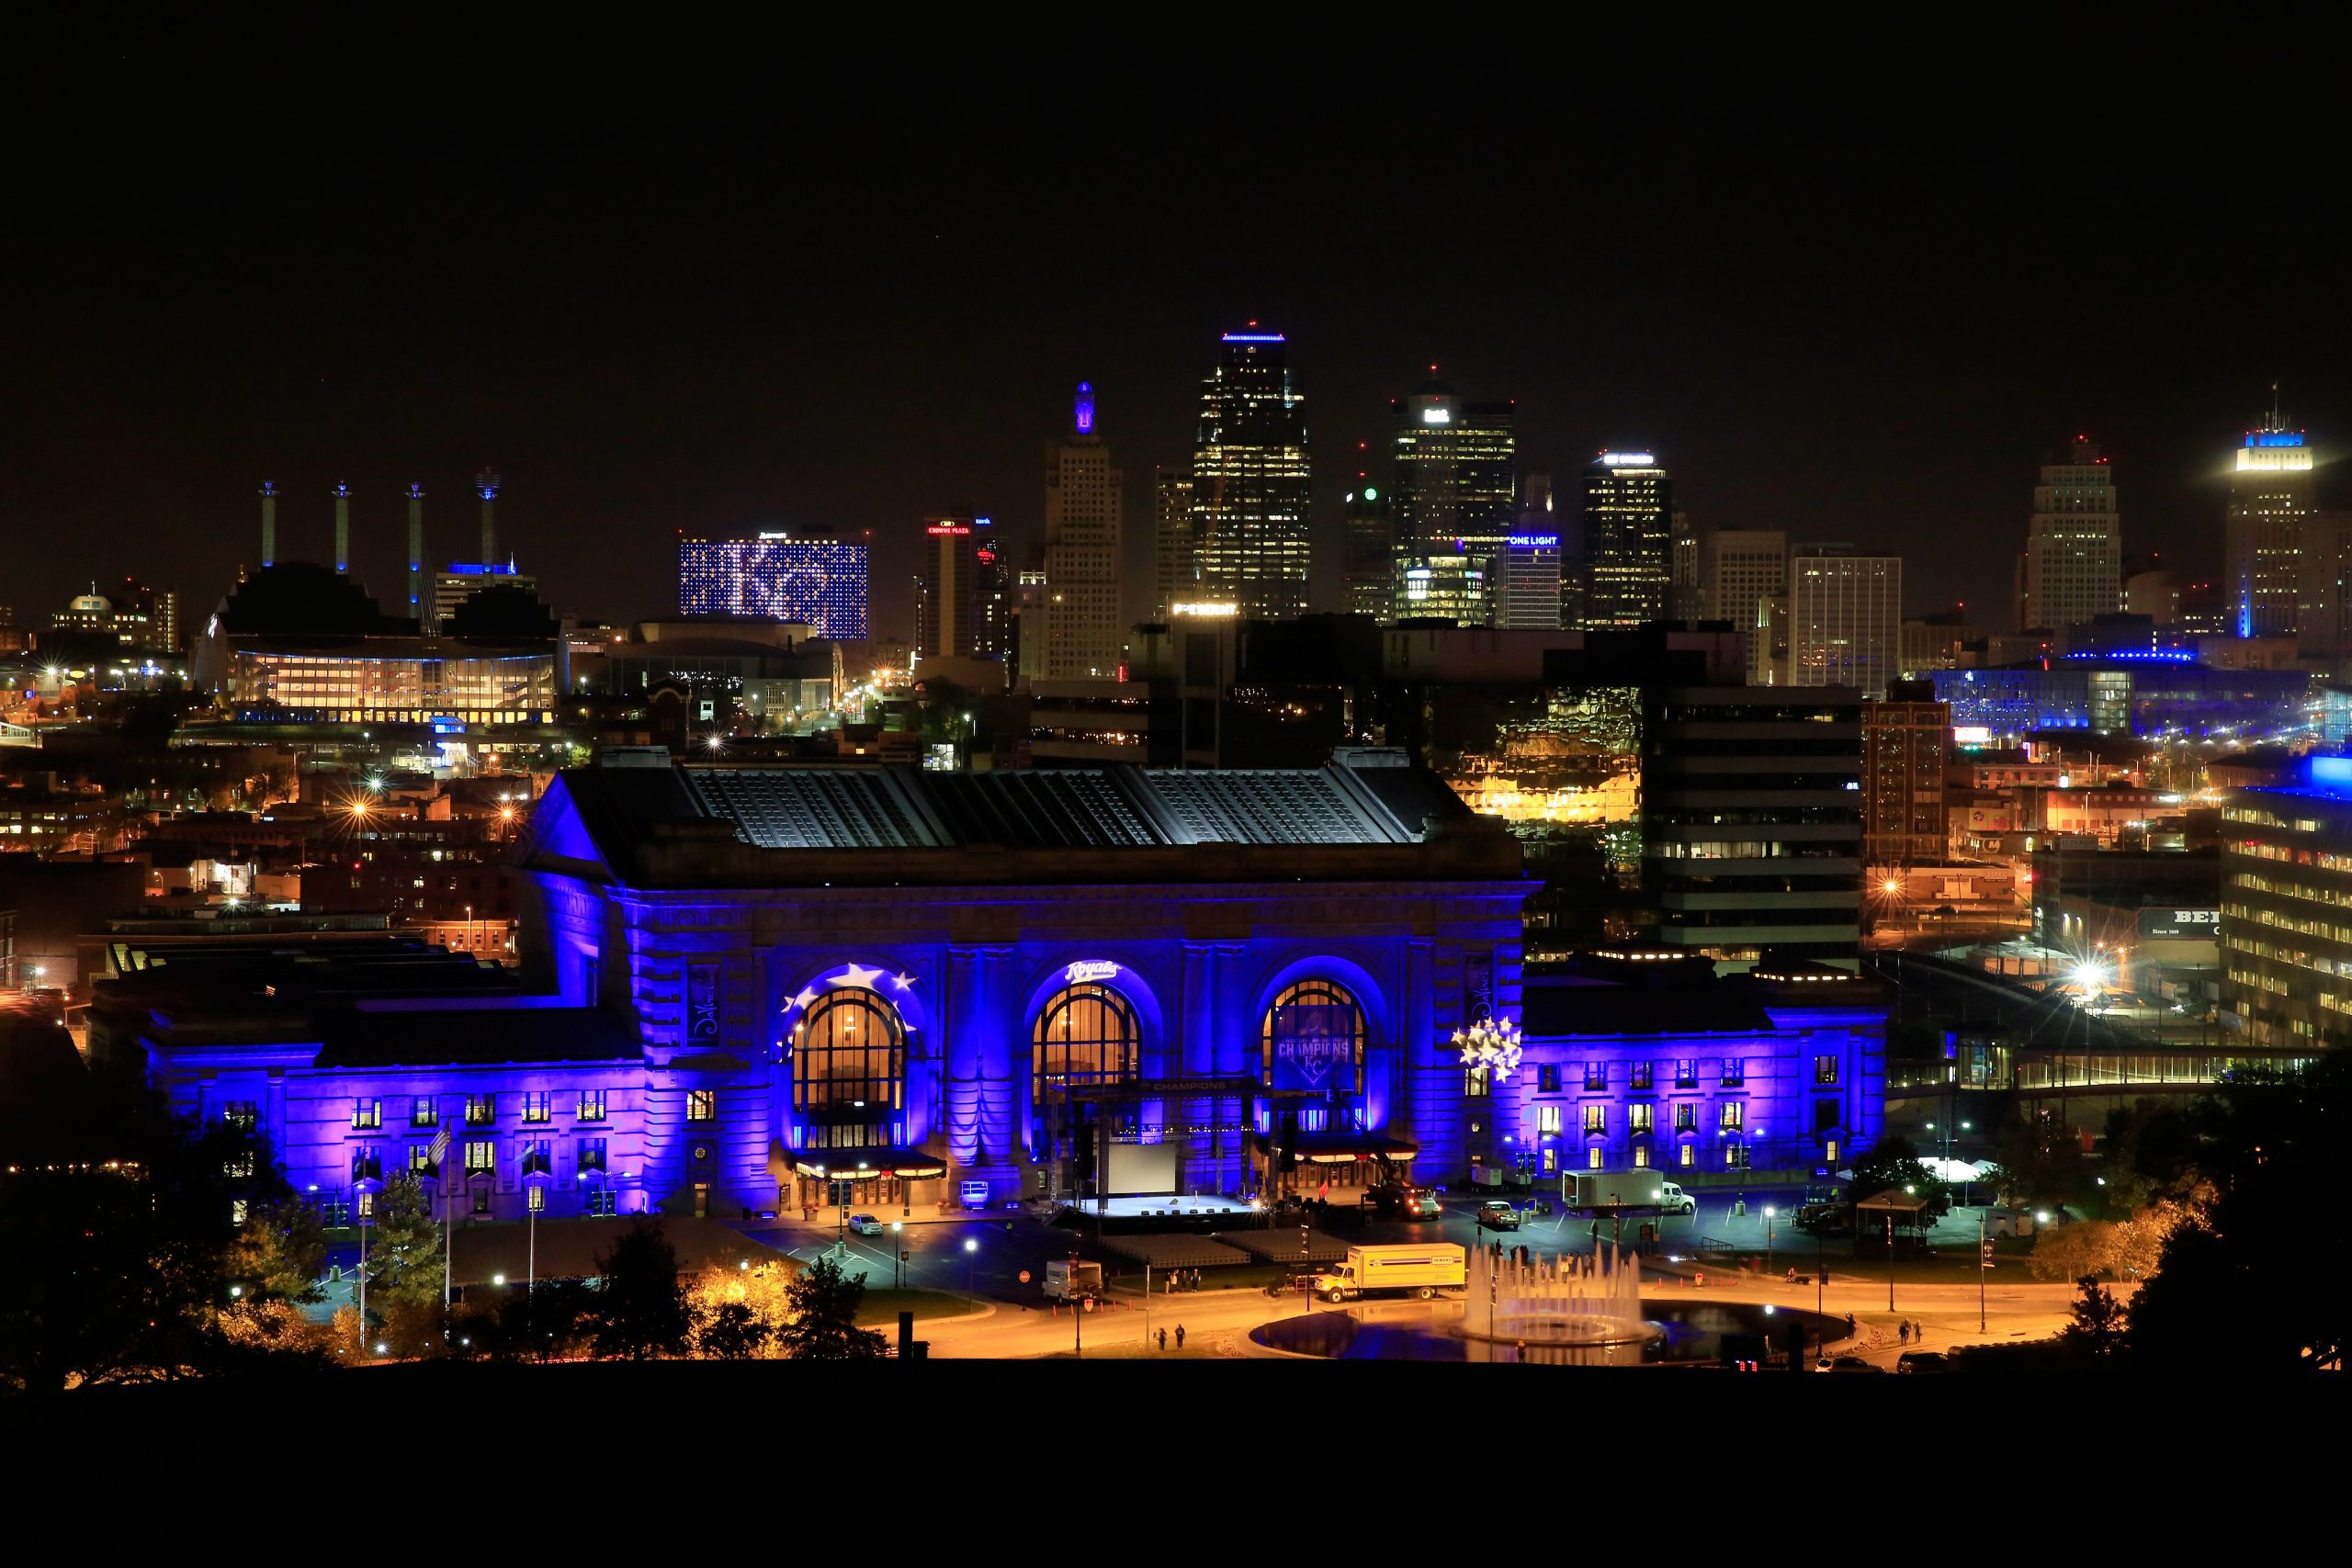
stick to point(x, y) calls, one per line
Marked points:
point(440, 1148)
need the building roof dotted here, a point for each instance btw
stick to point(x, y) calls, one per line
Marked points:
point(1709, 1008)
point(476, 1037)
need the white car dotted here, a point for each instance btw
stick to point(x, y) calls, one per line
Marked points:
point(866, 1224)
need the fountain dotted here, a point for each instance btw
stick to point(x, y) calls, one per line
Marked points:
point(1572, 1299)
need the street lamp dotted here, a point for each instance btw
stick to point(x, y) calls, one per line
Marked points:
point(1769, 1212)
point(897, 1253)
point(971, 1266)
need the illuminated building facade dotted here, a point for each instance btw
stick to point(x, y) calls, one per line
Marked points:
point(1646, 1061)
point(2286, 883)
point(1524, 582)
point(1084, 631)
point(1175, 554)
point(1249, 475)
point(1906, 740)
point(2075, 550)
point(1845, 618)
point(1628, 540)
point(2154, 693)
point(820, 582)
point(1447, 584)
point(1453, 485)
point(462, 579)
point(2270, 498)
point(963, 597)
point(1742, 571)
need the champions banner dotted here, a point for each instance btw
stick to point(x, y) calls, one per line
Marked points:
point(1315, 1047)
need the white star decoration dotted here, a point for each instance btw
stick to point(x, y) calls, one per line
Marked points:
point(1492, 1043)
point(904, 982)
point(806, 998)
point(861, 977)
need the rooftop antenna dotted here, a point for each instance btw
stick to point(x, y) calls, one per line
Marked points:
point(416, 606)
point(486, 486)
point(268, 524)
point(342, 493)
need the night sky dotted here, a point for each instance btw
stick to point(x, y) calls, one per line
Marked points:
point(1861, 319)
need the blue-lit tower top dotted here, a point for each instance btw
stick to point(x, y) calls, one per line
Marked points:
point(268, 524)
point(1085, 408)
point(486, 486)
point(416, 549)
point(342, 493)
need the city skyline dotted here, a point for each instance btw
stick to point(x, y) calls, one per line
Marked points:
point(596, 314)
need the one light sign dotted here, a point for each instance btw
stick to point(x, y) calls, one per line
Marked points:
point(1089, 971)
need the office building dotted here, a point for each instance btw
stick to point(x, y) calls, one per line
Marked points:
point(462, 579)
point(1628, 540)
point(1686, 594)
point(2073, 560)
point(963, 596)
point(1371, 540)
point(2323, 599)
point(132, 616)
point(2286, 884)
point(1940, 641)
point(1445, 584)
point(1523, 584)
point(1249, 542)
point(1752, 821)
point(1084, 630)
point(1845, 618)
point(786, 577)
point(1453, 485)
point(1741, 570)
point(2270, 498)
point(1906, 741)
point(1176, 536)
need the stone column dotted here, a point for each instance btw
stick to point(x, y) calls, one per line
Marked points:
point(1196, 1027)
point(958, 1052)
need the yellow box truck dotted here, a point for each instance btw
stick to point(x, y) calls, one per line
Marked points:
point(1405, 1268)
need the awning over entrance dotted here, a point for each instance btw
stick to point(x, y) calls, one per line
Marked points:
point(1345, 1148)
point(854, 1165)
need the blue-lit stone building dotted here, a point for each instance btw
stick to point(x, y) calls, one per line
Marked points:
point(2148, 693)
point(761, 988)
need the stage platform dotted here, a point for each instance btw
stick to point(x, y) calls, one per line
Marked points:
point(1161, 1206)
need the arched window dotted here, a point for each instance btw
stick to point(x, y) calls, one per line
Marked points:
point(1085, 1034)
point(1313, 1037)
point(849, 1057)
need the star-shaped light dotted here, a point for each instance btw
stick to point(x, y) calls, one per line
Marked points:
point(1491, 1043)
point(904, 982)
point(857, 976)
point(806, 999)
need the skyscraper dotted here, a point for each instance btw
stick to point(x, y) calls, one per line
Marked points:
point(1084, 630)
point(1523, 584)
point(1250, 481)
point(1628, 523)
point(1741, 568)
point(1453, 487)
point(1906, 740)
point(2270, 494)
point(1176, 543)
point(1686, 595)
point(817, 579)
point(1372, 536)
point(2073, 560)
point(1845, 618)
point(954, 590)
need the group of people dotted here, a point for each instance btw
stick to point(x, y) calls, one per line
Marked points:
point(1179, 1337)
point(1184, 1279)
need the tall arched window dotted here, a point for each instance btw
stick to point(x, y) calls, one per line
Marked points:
point(849, 1059)
point(1313, 1038)
point(1085, 1034)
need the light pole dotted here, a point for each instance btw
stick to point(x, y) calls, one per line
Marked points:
point(971, 1266)
point(1769, 1212)
point(897, 1253)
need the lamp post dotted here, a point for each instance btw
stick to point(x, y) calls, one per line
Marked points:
point(971, 1266)
point(897, 1253)
point(1769, 1212)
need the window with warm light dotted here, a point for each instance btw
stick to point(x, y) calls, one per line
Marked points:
point(424, 1112)
point(366, 1113)
point(1592, 1161)
point(1639, 1118)
point(481, 1155)
point(702, 1105)
point(538, 1106)
point(1596, 1119)
point(1641, 1156)
point(592, 1105)
point(1547, 1119)
point(1686, 1117)
point(1731, 1114)
point(1825, 1069)
point(481, 1110)
point(1690, 1156)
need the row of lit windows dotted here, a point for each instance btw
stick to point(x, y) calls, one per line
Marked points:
point(536, 1106)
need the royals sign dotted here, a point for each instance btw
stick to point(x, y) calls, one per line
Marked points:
point(1091, 971)
point(1315, 1047)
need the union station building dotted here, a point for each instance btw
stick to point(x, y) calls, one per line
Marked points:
point(764, 988)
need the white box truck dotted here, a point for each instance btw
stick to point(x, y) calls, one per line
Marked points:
point(1622, 1191)
point(1411, 1269)
point(1068, 1282)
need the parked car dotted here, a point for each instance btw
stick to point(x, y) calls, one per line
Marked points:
point(1853, 1364)
point(1396, 1198)
point(1497, 1214)
point(1923, 1361)
point(866, 1224)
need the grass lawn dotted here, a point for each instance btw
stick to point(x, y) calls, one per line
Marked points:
point(1133, 1350)
point(880, 1309)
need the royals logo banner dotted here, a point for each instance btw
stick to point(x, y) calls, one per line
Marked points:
point(1315, 1047)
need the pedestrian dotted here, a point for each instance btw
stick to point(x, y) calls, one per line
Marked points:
point(1180, 1337)
point(1849, 1325)
point(1163, 1339)
point(1903, 1331)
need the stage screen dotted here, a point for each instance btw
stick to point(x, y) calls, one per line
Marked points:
point(1141, 1167)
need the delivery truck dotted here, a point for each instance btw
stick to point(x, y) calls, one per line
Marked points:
point(1072, 1281)
point(1404, 1268)
point(1622, 1191)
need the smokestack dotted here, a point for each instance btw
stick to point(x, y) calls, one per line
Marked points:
point(268, 522)
point(416, 606)
point(342, 527)
point(486, 486)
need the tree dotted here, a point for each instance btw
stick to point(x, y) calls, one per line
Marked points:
point(1893, 1165)
point(640, 1308)
point(2098, 1328)
point(404, 1267)
point(281, 1252)
point(765, 1292)
point(824, 1317)
point(733, 1333)
point(2042, 1161)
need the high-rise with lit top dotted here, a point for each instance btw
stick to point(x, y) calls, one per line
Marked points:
point(1454, 489)
point(2270, 497)
point(1250, 480)
point(1082, 620)
point(1628, 538)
